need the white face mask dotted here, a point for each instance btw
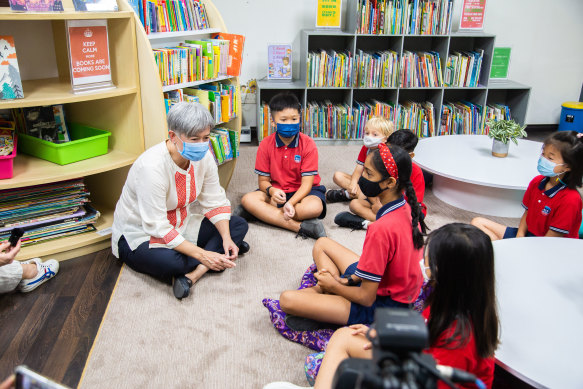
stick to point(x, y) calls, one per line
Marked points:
point(371, 141)
point(424, 269)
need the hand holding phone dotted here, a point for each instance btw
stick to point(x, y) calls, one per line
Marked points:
point(15, 236)
point(28, 379)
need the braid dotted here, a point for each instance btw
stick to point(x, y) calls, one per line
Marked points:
point(416, 220)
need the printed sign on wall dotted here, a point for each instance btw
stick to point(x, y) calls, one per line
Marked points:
point(329, 12)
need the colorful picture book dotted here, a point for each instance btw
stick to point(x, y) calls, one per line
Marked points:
point(377, 70)
point(417, 117)
point(394, 17)
point(47, 122)
point(224, 144)
point(328, 120)
point(279, 62)
point(463, 117)
point(330, 69)
point(235, 52)
point(36, 5)
point(47, 212)
point(10, 82)
point(462, 69)
point(421, 69)
point(171, 15)
point(6, 137)
point(95, 5)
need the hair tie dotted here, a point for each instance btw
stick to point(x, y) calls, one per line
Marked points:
point(388, 160)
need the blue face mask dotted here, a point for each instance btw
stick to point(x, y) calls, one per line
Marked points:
point(547, 168)
point(288, 130)
point(194, 151)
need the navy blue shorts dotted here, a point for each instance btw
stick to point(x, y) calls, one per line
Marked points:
point(512, 231)
point(318, 191)
point(359, 314)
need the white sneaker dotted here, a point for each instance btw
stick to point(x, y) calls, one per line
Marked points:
point(285, 385)
point(46, 271)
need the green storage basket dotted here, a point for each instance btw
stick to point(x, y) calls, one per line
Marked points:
point(86, 142)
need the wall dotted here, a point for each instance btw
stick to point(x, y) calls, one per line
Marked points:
point(546, 40)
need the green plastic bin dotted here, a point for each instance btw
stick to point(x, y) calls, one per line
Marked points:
point(86, 142)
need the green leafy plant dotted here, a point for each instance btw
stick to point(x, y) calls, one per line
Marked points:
point(505, 130)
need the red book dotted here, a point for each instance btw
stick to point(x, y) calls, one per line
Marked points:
point(236, 45)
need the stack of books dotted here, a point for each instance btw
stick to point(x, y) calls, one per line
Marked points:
point(364, 111)
point(224, 144)
point(329, 121)
point(394, 17)
point(377, 70)
point(463, 117)
point(330, 69)
point(417, 117)
point(47, 212)
point(495, 112)
point(420, 70)
point(463, 69)
point(171, 15)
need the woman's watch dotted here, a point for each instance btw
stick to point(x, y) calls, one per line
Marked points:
point(267, 190)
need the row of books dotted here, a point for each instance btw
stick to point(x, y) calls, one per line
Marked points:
point(363, 111)
point(495, 112)
point(47, 212)
point(46, 122)
point(394, 17)
point(462, 117)
point(171, 15)
point(224, 144)
point(327, 120)
point(222, 100)
point(463, 69)
point(421, 69)
point(329, 69)
point(417, 117)
point(377, 70)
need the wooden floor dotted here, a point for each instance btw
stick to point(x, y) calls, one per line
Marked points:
point(52, 329)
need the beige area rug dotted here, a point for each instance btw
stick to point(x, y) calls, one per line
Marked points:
point(221, 336)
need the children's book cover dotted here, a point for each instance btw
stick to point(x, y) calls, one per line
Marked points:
point(10, 82)
point(279, 62)
point(47, 123)
point(37, 5)
point(96, 5)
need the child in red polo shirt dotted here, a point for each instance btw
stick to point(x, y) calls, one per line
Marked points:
point(364, 209)
point(290, 195)
point(552, 203)
point(388, 269)
point(376, 131)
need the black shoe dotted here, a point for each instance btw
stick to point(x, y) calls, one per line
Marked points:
point(243, 248)
point(347, 219)
point(297, 323)
point(181, 287)
point(336, 196)
point(242, 212)
point(312, 228)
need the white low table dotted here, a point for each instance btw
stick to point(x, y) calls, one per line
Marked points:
point(467, 176)
point(540, 294)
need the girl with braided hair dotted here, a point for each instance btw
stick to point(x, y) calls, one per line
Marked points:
point(387, 273)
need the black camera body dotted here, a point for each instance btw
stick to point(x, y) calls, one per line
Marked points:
point(400, 333)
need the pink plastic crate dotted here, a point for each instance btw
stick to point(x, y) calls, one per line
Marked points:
point(7, 161)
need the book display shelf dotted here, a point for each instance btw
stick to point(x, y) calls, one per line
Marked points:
point(155, 128)
point(40, 41)
point(350, 43)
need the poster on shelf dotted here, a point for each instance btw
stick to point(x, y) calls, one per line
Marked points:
point(329, 14)
point(500, 63)
point(89, 63)
point(279, 62)
point(473, 12)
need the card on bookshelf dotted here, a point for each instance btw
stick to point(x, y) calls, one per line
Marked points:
point(36, 5)
point(10, 82)
point(96, 5)
point(279, 62)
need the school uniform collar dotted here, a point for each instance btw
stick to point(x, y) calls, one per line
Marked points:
point(390, 207)
point(294, 143)
point(554, 190)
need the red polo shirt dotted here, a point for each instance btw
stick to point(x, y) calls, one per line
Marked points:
point(388, 255)
point(557, 209)
point(286, 165)
point(419, 185)
point(362, 155)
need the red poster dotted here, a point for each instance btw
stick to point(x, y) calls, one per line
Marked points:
point(89, 52)
point(473, 15)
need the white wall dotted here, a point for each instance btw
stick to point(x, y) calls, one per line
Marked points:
point(546, 39)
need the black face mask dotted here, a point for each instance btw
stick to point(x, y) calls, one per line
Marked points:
point(370, 188)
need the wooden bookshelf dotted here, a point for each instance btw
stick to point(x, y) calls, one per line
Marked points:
point(117, 110)
point(167, 88)
point(160, 36)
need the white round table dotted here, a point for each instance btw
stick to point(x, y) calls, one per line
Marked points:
point(540, 294)
point(468, 176)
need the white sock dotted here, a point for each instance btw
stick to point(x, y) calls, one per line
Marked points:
point(365, 224)
point(346, 194)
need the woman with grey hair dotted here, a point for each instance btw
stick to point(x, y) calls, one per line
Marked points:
point(173, 220)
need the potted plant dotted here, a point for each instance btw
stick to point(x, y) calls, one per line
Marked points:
point(502, 132)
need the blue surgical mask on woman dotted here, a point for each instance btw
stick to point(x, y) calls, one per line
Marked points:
point(547, 168)
point(194, 151)
point(288, 130)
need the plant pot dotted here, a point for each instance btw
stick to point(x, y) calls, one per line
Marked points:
point(499, 148)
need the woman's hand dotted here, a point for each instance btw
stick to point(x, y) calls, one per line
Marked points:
point(353, 189)
point(278, 196)
point(361, 329)
point(326, 281)
point(8, 253)
point(231, 249)
point(215, 261)
point(288, 211)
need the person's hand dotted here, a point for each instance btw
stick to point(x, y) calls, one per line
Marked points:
point(9, 382)
point(216, 261)
point(231, 249)
point(353, 189)
point(278, 196)
point(326, 281)
point(361, 329)
point(8, 253)
point(288, 211)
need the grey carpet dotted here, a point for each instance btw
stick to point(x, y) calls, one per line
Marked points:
point(221, 336)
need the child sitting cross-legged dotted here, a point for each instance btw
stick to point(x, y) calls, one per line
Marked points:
point(290, 195)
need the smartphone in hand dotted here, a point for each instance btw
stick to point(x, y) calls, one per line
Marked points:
point(15, 235)
point(28, 379)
